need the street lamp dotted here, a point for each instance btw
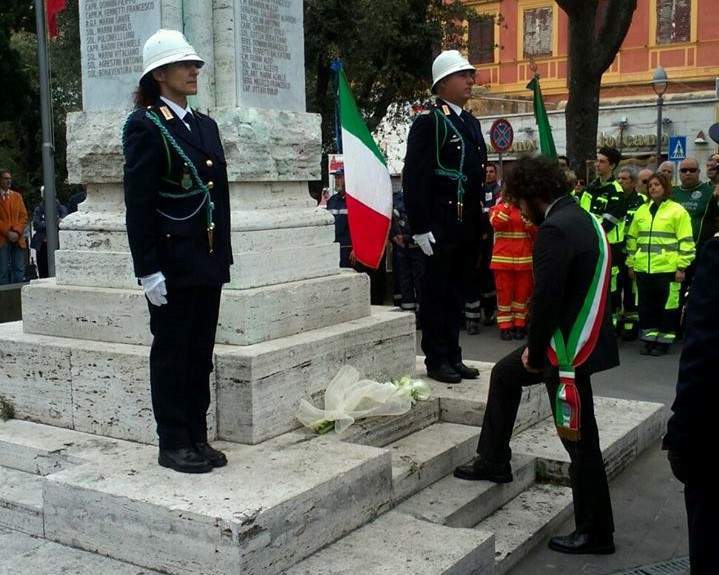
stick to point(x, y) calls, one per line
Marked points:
point(660, 83)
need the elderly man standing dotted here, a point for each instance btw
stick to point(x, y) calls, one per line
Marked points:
point(667, 168)
point(443, 176)
point(695, 197)
point(13, 218)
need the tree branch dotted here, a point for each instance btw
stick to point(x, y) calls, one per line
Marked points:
point(613, 31)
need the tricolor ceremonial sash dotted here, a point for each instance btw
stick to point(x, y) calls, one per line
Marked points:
point(570, 354)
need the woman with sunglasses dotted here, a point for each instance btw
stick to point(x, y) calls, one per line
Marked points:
point(660, 247)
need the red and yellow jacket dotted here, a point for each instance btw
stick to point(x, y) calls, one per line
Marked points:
point(13, 216)
point(513, 238)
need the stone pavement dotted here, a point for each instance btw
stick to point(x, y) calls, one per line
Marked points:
point(648, 502)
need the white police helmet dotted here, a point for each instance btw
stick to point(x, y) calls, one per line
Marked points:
point(449, 62)
point(167, 47)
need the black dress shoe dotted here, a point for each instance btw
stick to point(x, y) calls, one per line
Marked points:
point(479, 470)
point(583, 544)
point(184, 460)
point(215, 457)
point(465, 371)
point(659, 349)
point(647, 348)
point(445, 374)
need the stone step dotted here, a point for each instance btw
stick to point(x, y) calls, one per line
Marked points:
point(21, 501)
point(247, 316)
point(103, 388)
point(25, 555)
point(461, 503)
point(465, 402)
point(626, 428)
point(397, 543)
point(525, 522)
point(273, 505)
point(382, 431)
point(43, 449)
point(426, 456)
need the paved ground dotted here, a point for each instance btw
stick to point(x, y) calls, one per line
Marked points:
point(648, 503)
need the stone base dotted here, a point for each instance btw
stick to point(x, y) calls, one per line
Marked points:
point(246, 316)
point(270, 507)
point(103, 388)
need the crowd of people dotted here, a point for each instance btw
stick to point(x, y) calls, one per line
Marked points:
point(20, 233)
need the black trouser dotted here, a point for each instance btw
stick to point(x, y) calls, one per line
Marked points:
point(440, 310)
point(377, 280)
point(702, 502)
point(181, 363)
point(590, 490)
point(658, 306)
point(42, 264)
point(410, 272)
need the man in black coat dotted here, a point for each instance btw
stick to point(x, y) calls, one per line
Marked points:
point(691, 434)
point(178, 227)
point(566, 255)
point(442, 181)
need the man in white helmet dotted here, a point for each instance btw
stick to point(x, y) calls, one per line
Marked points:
point(442, 179)
point(178, 227)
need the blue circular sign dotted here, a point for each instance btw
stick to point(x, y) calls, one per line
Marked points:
point(501, 135)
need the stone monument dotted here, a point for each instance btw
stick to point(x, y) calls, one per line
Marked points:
point(289, 317)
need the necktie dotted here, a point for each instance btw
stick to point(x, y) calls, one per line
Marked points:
point(191, 121)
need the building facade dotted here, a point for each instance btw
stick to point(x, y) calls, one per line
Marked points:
point(680, 35)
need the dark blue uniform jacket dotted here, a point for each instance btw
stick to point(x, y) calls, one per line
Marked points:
point(170, 234)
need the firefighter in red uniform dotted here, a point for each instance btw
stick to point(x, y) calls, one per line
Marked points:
point(512, 267)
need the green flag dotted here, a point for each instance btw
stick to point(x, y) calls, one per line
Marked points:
point(546, 140)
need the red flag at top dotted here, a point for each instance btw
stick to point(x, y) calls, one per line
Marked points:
point(52, 9)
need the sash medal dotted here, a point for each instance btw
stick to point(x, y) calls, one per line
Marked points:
point(570, 354)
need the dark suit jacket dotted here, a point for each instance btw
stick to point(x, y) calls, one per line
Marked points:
point(692, 428)
point(177, 247)
point(431, 199)
point(564, 259)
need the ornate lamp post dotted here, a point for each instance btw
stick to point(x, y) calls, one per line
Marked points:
point(660, 83)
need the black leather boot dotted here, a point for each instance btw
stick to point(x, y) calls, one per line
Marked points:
point(184, 460)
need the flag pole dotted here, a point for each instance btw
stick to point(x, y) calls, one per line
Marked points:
point(336, 66)
point(48, 146)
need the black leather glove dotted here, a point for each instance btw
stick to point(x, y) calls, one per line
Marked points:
point(679, 464)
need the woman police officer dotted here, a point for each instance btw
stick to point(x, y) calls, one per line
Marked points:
point(178, 226)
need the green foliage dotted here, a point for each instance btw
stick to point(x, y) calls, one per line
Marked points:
point(387, 50)
point(20, 128)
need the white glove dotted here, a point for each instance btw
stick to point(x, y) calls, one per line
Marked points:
point(155, 289)
point(425, 241)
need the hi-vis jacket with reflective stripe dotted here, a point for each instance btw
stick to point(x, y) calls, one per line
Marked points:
point(660, 238)
point(513, 238)
point(606, 201)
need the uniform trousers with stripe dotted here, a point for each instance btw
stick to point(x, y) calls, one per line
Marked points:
point(441, 306)
point(658, 306)
point(514, 288)
point(181, 362)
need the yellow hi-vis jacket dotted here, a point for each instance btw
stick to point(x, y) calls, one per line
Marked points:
point(660, 238)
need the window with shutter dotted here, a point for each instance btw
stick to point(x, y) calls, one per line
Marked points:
point(538, 32)
point(481, 40)
point(673, 21)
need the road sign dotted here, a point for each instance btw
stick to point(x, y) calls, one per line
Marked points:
point(501, 135)
point(677, 148)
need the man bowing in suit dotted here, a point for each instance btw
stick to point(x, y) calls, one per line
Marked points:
point(570, 337)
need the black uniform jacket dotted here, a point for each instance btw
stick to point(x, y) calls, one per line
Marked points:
point(431, 199)
point(565, 256)
point(162, 237)
point(692, 428)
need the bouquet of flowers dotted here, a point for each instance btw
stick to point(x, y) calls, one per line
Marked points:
point(348, 398)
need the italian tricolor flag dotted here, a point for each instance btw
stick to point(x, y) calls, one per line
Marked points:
point(367, 182)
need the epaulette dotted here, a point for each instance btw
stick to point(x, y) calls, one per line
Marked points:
point(446, 110)
point(165, 111)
